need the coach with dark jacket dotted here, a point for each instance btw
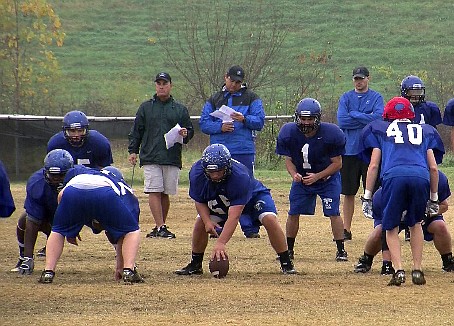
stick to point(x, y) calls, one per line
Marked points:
point(162, 166)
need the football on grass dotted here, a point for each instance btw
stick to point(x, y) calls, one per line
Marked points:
point(219, 269)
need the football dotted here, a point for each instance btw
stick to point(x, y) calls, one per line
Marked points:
point(219, 269)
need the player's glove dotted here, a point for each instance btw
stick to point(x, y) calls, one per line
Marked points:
point(27, 266)
point(367, 207)
point(432, 208)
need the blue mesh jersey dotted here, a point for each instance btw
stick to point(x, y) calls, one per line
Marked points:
point(95, 152)
point(7, 206)
point(130, 200)
point(41, 199)
point(403, 145)
point(310, 154)
point(97, 195)
point(239, 188)
point(427, 113)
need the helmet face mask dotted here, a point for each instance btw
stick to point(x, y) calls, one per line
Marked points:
point(75, 128)
point(56, 163)
point(216, 162)
point(308, 108)
point(398, 108)
point(413, 89)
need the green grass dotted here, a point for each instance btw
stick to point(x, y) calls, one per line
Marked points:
point(107, 54)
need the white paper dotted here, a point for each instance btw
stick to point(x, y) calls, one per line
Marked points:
point(172, 136)
point(223, 113)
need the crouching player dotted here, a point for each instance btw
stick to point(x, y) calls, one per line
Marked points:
point(434, 229)
point(99, 196)
point(223, 190)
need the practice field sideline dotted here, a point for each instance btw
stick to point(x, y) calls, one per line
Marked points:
point(254, 292)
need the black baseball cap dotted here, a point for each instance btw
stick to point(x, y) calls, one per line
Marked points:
point(361, 72)
point(164, 76)
point(236, 73)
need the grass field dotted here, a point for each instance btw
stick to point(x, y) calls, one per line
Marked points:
point(254, 293)
point(113, 48)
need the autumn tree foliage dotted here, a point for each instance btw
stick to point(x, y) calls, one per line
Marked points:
point(28, 67)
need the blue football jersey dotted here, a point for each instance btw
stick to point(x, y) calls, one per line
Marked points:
point(403, 145)
point(310, 154)
point(41, 198)
point(427, 113)
point(7, 206)
point(237, 189)
point(95, 152)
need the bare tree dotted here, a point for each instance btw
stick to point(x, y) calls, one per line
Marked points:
point(211, 42)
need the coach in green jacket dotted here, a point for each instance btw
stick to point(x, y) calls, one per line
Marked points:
point(161, 166)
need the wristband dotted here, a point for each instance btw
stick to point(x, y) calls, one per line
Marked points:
point(434, 196)
point(367, 194)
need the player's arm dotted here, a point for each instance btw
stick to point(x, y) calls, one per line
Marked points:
point(219, 251)
point(372, 172)
point(291, 169)
point(204, 213)
point(433, 170)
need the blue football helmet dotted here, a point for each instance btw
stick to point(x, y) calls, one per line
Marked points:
point(308, 107)
point(417, 88)
point(216, 157)
point(56, 163)
point(114, 171)
point(75, 120)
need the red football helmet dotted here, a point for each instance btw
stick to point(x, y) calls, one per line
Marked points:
point(398, 108)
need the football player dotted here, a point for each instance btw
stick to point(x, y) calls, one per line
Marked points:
point(40, 205)
point(87, 147)
point(448, 119)
point(406, 154)
point(313, 156)
point(7, 206)
point(413, 89)
point(434, 229)
point(101, 196)
point(223, 190)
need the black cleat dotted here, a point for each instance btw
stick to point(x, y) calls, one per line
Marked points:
point(341, 256)
point(163, 232)
point(153, 233)
point(407, 234)
point(287, 268)
point(363, 265)
point(191, 269)
point(252, 236)
point(387, 269)
point(47, 277)
point(132, 276)
point(398, 278)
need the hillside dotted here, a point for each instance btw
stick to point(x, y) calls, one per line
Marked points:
point(112, 48)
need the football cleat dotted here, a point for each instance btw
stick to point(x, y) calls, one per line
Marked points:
point(132, 276)
point(398, 278)
point(363, 265)
point(341, 256)
point(19, 262)
point(387, 269)
point(163, 232)
point(47, 277)
point(41, 252)
point(287, 268)
point(191, 269)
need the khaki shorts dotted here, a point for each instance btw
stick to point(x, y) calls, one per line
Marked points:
point(161, 178)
